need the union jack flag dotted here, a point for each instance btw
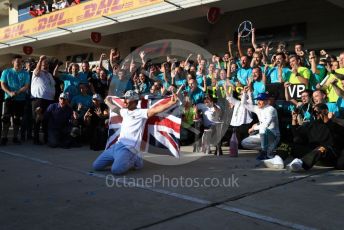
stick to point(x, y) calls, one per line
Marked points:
point(161, 132)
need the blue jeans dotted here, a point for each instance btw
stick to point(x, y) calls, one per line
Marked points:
point(121, 159)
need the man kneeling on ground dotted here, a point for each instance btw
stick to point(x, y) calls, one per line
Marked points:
point(125, 154)
point(60, 119)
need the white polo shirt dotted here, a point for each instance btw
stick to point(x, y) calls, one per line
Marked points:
point(43, 85)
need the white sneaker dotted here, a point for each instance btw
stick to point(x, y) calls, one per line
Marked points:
point(274, 163)
point(295, 165)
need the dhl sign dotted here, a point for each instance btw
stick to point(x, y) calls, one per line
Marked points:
point(70, 16)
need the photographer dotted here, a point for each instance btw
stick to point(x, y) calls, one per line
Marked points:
point(81, 103)
point(304, 107)
point(94, 120)
point(319, 140)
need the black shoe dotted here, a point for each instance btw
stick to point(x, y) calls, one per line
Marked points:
point(218, 151)
point(16, 141)
point(4, 141)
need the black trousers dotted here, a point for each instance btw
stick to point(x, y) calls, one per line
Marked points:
point(39, 106)
point(14, 109)
point(310, 156)
point(325, 155)
point(26, 123)
point(1, 102)
point(60, 138)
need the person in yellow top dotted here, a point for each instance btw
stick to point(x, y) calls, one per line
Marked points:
point(332, 79)
point(332, 96)
point(187, 136)
point(341, 64)
point(300, 74)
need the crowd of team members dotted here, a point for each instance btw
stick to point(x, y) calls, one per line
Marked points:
point(226, 88)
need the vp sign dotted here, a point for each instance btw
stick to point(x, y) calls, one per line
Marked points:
point(295, 90)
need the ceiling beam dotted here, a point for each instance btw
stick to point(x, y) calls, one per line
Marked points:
point(86, 44)
point(178, 29)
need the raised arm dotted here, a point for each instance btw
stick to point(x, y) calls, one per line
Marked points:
point(204, 83)
point(299, 77)
point(173, 77)
point(56, 72)
point(230, 48)
point(264, 78)
point(239, 45)
point(142, 56)
point(111, 57)
point(101, 58)
point(39, 65)
point(339, 91)
point(132, 65)
point(228, 70)
point(229, 96)
point(155, 110)
point(188, 58)
point(111, 105)
point(254, 44)
point(313, 63)
point(265, 54)
point(248, 103)
point(266, 51)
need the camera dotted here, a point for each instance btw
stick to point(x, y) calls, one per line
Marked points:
point(297, 110)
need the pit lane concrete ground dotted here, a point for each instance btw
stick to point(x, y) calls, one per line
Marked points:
point(44, 188)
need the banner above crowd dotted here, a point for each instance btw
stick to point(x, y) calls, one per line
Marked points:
point(70, 16)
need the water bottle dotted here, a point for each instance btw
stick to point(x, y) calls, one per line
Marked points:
point(233, 151)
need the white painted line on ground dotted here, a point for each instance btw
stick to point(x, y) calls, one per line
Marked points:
point(26, 157)
point(264, 218)
point(177, 195)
